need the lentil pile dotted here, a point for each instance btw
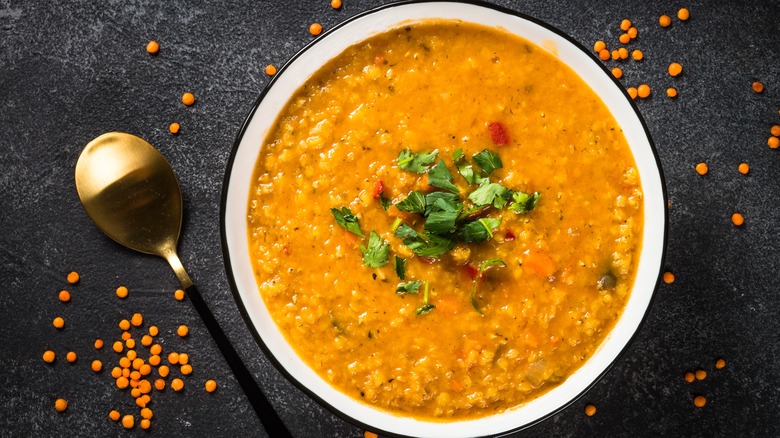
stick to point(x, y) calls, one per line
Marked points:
point(140, 366)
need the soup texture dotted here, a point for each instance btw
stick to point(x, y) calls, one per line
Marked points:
point(445, 221)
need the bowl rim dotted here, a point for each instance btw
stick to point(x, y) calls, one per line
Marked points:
point(239, 138)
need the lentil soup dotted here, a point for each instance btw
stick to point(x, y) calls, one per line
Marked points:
point(445, 221)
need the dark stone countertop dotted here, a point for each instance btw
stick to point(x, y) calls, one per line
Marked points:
point(72, 70)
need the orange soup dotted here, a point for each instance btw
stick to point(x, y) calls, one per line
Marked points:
point(445, 221)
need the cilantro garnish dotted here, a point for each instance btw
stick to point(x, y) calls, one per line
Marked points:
point(439, 176)
point(400, 267)
point(522, 203)
point(430, 245)
point(410, 287)
point(346, 219)
point(414, 203)
point(385, 202)
point(464, 169)
point(418, 163)
point(375, 255)
point(441, 222)
point(426, 307)
point(488, 161)
point(478, 230)
point(490, 193)
point(484, 266)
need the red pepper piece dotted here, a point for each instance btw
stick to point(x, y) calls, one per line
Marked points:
point(379, 187)
point(471, 271)
point(509, 235)
point(499, 134)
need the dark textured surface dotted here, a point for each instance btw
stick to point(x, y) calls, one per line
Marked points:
point(72, 70)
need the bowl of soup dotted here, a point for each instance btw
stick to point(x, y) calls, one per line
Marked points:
point(443, 219)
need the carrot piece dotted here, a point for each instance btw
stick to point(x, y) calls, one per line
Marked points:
point(540, 263)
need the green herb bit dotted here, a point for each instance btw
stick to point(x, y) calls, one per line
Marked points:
point(375, 255)
point(414, 203)
point(434, 246)
point(425, 308)
point(490, 193)
point(396, 224)
point(441, 222)
point(441, 201)
point(478, 230)
point(488, 161)
point(410, 287)
point(418, 163)
point(484, 266)
point(346, 219)
point(385, 202)
point(464, 169)
point(400, 267)
point(439, 176)
point(523, 203)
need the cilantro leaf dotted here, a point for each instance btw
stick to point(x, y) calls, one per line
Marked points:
point(441, 201)
point(375, 255)
point(464, 169)
point(410, 287)
point(414, 203)
point(490, 193)
point(432, 245)
point(441, 222)
point(417, 163)
point(425, 308)
point(484, 266)
point(400, 267)
point(479, 230)
point(523, 203)
point(439, 176)
point(346, 219)
point(385, 202)
point(488, 161)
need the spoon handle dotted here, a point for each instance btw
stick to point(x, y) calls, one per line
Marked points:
point(268, 417)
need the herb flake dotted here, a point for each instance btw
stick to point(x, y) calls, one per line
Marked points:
point(417, 163)
point(346, 219)
point(375, 254)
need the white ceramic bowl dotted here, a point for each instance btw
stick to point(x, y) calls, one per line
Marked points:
point(273, 99)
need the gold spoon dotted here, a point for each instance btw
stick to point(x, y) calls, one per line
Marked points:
point(131, 193)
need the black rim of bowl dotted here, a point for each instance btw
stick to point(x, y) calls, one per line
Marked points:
point(240, 136)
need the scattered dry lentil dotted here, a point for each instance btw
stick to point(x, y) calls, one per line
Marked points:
point(643, 91)
point(58, 322)
point(153, 330)
point(590, 410)
point(604, 54)
point(617, 72)
point(315, 29)
point(184, 358)
point(623, 53)
point(775, 130)
point(152, 47)
point(187, 99)
point(335, 4)
point(599, 46)
point(270, 70)
point(73, 277)
point(683, 14)
point(121, 292)
point(174, 128)
point(744, 168)
point(625, 24)
point(720, 364)
point(211, 386)
point(689, 377)
point(368, 434)
point(137, 319)
point(632, 32)
point(128, 421)
point(163, 371)
point(64, 296)
point(98, 344)
point(664, 20)
point(615, 55)
point(71, 356)
point(737, 219)
point(118, 347)
point(671, 92)
point(700, 374)
point(637, 55)
point(773, 142)
point(632, 92)
point(145, 424)
point(60, 404)
point(182, 331)
point(49, 356)
point(702, 168)
point(758, 87)
point(177, 384)
point(114, 415)
point(675, 69)
point(179, 294)
point(159, 384)
point(668, 277)
point(624, 38)
point(186, 369)
point(699, 401)
point(124, 324)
